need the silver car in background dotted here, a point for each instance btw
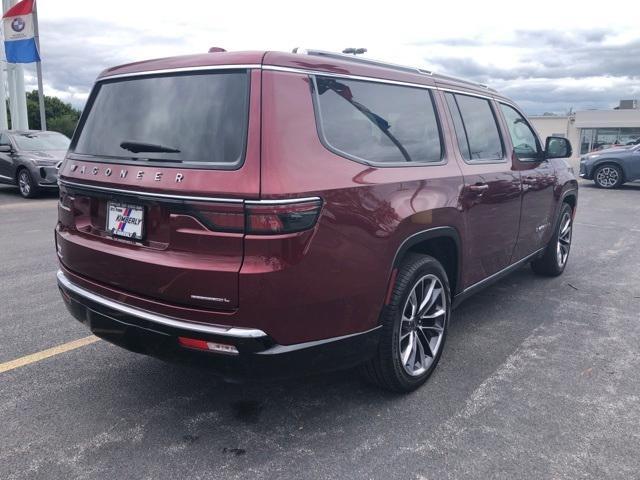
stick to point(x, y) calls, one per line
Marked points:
point(30, 159)
point(611, 167)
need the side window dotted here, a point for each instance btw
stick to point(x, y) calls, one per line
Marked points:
point(376, 122)
point(525, 142)
point(4, 139)
point(476, 128)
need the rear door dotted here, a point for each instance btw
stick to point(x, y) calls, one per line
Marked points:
point(152, 190)
point(491, 193)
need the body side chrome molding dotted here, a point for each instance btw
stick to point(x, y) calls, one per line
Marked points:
point(159, 319)
point(315, 343)
point(203, 68)
point(6, 177)
point(496, 276)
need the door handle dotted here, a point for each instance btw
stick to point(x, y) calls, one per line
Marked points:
point(529, 180)
point(479, 187)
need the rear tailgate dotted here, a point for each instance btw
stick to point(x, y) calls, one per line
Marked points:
point(188, 246)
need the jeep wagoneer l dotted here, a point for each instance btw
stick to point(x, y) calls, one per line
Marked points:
point(266, 213)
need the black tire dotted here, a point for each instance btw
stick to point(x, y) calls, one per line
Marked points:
point(26, 186)
point(386, 368)
point(608, 176)
point(550, 264)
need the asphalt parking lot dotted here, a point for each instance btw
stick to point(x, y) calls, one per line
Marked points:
point(540, 378)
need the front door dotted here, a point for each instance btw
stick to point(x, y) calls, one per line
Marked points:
point(538, 182)
point(491, 194)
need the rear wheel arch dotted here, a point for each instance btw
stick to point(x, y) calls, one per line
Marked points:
point(441, 243)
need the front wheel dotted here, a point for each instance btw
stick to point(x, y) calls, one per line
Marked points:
point(414, 326)
point(555, 257)
point(608, 176)
point(26, 185)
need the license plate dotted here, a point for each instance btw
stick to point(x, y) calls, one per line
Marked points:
point(125, 220)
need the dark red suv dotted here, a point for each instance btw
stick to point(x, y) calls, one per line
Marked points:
point(267, 213)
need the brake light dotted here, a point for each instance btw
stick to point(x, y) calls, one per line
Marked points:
point(258, 217)
point(273, 219)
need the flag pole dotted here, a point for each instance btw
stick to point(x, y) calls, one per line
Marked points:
point(36, 34)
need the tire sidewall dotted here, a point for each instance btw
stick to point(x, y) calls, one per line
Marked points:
point(427, 265)
point(607, 187)
point(566, 208)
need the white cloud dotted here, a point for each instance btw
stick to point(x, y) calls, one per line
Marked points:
point(80, 38)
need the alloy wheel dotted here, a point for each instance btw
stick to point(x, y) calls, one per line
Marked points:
point(24, 183)
point(607, 177)
point(564, 239)
point(422, 325)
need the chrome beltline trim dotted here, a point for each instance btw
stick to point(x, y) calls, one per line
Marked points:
point(203, 68)
point(148, 194)
point(235, 332)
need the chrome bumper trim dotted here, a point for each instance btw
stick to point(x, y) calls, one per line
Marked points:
point(234, 332)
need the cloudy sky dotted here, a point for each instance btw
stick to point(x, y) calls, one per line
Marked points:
point(548, 55)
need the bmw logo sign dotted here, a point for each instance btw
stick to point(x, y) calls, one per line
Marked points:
point(18, 24)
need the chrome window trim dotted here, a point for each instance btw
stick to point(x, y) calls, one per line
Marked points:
point(321, 73)
point(236, 332)
point(164, 71)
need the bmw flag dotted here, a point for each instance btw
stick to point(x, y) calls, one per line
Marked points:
point(19, 43)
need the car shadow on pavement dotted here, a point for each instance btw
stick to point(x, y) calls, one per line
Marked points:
point(187, 405)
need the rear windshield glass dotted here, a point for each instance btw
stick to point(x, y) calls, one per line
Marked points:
point(194, 118)
point(41, 141)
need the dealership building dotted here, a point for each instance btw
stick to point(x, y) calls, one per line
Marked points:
point(593, 129)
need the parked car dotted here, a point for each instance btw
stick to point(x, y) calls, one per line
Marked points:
point(271, 213)
point(611, 167)
point(30, 159)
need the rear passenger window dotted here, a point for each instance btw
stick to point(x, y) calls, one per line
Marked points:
point(476, 128)
point(376, 122)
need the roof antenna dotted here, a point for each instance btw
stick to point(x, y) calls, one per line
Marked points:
point(354, 51)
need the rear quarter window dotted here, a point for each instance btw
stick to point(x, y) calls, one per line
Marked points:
point(377, 123)
point(202, 115)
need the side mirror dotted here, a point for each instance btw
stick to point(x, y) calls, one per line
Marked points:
point(557, 147)
point(5, 149)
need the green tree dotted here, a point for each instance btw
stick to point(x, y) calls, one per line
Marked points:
point(61, 117)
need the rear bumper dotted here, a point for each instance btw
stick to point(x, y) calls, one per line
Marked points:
point(258, 355)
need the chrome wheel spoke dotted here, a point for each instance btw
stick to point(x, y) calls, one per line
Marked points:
point(422, 324)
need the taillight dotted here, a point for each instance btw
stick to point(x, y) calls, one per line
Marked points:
point(259, 217)
point(272, 218)
point(220, 217)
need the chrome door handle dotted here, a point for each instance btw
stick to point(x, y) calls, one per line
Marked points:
point(479, 187)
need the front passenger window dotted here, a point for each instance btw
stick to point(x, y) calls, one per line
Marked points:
point(524, 140)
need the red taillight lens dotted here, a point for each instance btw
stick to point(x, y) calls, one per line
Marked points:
point(264, 218)
point(258, 217)
point(220, 217)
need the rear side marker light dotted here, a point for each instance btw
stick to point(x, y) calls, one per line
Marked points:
point(208, 346)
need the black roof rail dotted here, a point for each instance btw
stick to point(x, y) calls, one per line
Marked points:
point(379, 63)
